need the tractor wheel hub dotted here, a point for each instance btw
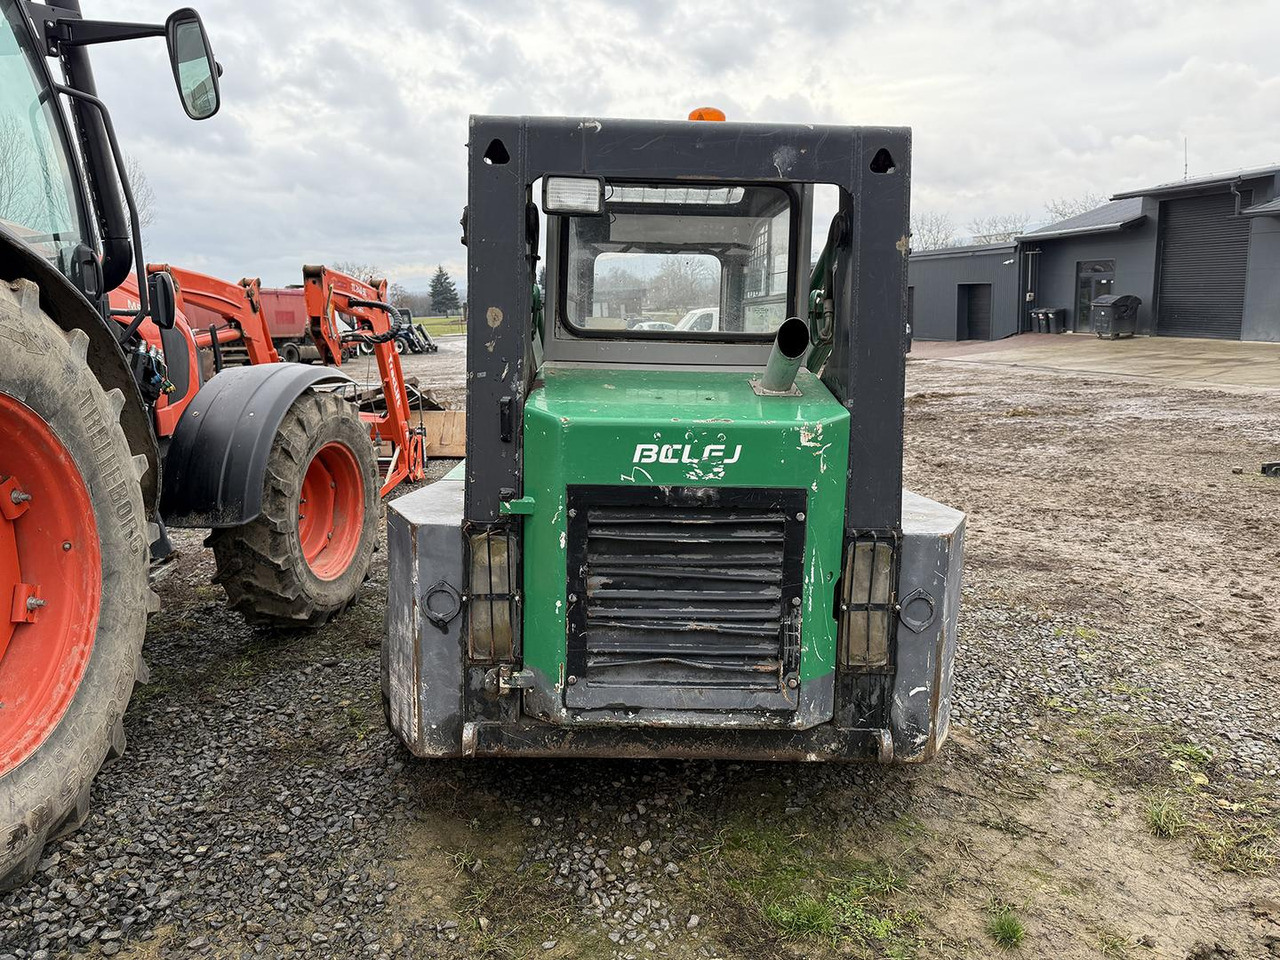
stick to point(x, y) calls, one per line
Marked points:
point(50, 580)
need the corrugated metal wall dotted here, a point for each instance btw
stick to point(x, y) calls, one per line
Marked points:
point(1204, 255)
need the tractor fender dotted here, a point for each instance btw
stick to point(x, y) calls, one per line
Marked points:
point(217, 460)
point(69, 309)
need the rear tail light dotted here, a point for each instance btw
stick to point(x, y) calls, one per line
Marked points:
point(867, 601)
point(491, 595)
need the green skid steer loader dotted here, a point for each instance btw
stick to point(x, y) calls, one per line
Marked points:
point(680, 530)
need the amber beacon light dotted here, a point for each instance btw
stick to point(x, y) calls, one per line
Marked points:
point(706, 113)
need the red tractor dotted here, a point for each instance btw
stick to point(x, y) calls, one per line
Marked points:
point(108, 433)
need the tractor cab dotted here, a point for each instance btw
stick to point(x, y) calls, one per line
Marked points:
point(680, 529)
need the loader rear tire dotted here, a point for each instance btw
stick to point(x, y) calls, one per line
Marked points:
point(66, 675)
point(306, 555)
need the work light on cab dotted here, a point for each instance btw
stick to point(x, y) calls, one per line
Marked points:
point(573, 195)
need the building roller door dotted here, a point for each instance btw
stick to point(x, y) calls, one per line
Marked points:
point(977, 309)
point(1204, 251)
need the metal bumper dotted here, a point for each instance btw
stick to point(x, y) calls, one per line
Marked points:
point(439, 704)
point(930, 566)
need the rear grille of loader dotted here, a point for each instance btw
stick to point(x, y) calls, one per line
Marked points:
point(683, 596)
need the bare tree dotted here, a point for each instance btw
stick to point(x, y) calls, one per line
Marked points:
point(1064, 208)
point(31, 193)
point(617, 277)
point(359, 270)
point(682, 282)
point(397, 295)
point(143, 196)
point(998, 228)
point(932, 231)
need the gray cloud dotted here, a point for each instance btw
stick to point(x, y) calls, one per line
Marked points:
point(343, 128)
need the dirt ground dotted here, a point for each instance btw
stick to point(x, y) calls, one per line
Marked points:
point(1111, 787)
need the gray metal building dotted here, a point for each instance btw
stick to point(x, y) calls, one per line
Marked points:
point(1107, 250)
point(963, 293)
point(1203, 254)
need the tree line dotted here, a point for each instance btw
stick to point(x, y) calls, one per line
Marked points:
point(933, 230)
point(440, 300)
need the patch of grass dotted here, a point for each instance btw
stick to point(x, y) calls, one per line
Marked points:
point(1113, 945)
point(803, 892)
point(1129, 690)
point(1190, 753)
point(1164, 816)
point(461, 861)
point(1131, 754)
point(1248, 845)
point(357, 720)
point(146, 693)
point(713, 846)
point(1231, 824)
point(1004, 927)
point(802, 915)
point(505, 908)
point(1057, 703)
point(847, 914)
point(510, 914)
point(437, 326)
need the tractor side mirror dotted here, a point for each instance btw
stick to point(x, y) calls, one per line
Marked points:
point(194, 69)
point(164, 300)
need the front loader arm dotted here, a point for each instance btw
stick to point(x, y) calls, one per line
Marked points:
point(329, 292)
point(238, 304)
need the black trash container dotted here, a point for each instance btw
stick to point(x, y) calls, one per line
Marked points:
point(1057, 320)
point(1115, 316)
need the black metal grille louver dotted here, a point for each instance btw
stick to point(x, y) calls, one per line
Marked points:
point(684, 597)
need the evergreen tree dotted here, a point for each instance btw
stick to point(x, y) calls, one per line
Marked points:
point(444, 295)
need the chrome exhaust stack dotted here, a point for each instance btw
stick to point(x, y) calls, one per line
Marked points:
point(789, 347)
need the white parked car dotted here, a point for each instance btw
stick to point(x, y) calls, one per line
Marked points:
point(698, 320)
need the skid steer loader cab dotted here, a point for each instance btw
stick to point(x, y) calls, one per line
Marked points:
point(685, 536)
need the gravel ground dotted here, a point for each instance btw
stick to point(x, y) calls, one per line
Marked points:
point(1117, 649)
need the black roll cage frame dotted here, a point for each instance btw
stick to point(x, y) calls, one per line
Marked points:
point(866, 368)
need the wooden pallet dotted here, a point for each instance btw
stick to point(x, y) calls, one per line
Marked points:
point(445, 432)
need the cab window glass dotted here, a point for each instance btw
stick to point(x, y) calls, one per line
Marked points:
point(677, 260)
point(38, 199)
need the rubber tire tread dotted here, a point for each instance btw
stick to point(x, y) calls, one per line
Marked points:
point(47, 795)
point(260, 564)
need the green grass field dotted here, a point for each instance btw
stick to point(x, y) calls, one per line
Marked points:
point(441, 326)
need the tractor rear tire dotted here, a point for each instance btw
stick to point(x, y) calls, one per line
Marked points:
point(306, 555)
point(66, 676)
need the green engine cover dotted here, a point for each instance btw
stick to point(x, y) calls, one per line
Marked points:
point(677, 428)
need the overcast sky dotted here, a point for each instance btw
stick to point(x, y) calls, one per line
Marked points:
point(342, 130)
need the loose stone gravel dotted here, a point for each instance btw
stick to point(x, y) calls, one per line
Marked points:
point(263, 809)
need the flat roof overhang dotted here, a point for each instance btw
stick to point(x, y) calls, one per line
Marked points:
point(1084, 231)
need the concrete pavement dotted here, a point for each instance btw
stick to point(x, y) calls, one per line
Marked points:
point(1220, 363)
